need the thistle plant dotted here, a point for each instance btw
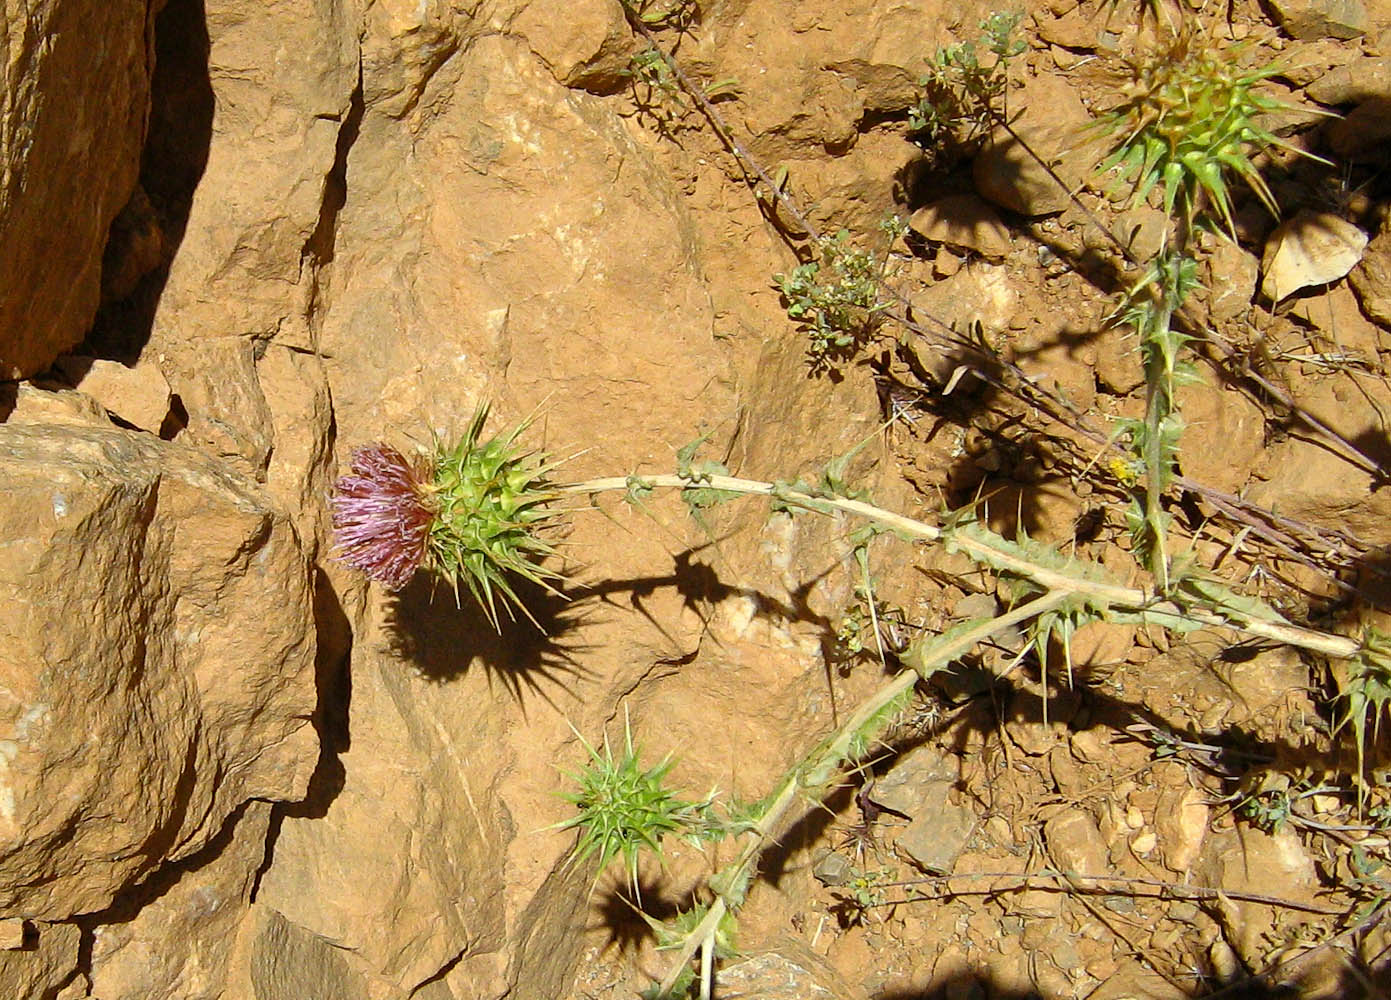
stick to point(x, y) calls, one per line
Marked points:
point(473, 513)
point(1190, 121)
point(1188, 125)
point(473, 510)
point(624, 809)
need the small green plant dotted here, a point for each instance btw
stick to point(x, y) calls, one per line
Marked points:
point(1154, 441)
point(965, 87)
point(1366, 691)
point(678, 14)
point(835, 298)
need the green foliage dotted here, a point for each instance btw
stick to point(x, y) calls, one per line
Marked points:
point(675, 933)
point(1189, 120)
point(1366, 692)
point(491, 502)
point(835, 298)
point(677, 14)
point(965, 85)
point(625, 808)
point(1149, 309)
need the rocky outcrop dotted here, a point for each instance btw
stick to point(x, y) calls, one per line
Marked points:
point(158, 664)
point(74, 91)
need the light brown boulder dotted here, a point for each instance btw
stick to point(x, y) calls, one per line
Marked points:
point(73, 98)
point(180, 945)
point(47, 960)
point(157, 669)
point(1050, 123)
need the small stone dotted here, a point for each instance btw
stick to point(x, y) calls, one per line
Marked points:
point(1348, 84)
point(832, 869)
point(1141, 230)
point(1134, 818)
point(1051, 125)
point(1181, 821)
point(1371, 279)
point(1076, 844)
point(1231, 274)
point(11, 934)
point(937, 840)
point(138, 395)
point(1308, 19)
point(964, 221)
point(1143, 843)
point(1363, 130)
point(1313, 248)
point(1074, 30)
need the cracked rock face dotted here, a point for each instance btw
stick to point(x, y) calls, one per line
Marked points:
point(72, 118)
point(189, 686)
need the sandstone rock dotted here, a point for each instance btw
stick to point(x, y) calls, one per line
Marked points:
point(139, 395)
point(1321, 18)
point(1229, 280)
point(1141, 230)
point(274, 958)
point(34, 405)
point(1313, 248)
point(200, 905)
point(1363, 132)
point(1224, 432)
point(1076, 845)
point(1248, 860)
point(1371, 279)
point(73, 114)
point(588, 48)
point(920, 785)
point(1181, 822)
point(1347, 84)
point(282, 79)
point(44, 965)
point(1051, 125)
point(1134, 981)
point(790, 972)
point(191, 672)
point(963, 221)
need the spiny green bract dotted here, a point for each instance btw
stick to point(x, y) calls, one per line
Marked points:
point(624, 808)
point(1189, 117)
point(490, 501)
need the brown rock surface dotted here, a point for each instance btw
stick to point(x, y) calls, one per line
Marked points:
point(192, 672)
point(200, 905)
point(72, 121)
point(45, 964)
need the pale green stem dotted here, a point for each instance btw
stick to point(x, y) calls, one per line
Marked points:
point(1001, 556)
point(816, 768)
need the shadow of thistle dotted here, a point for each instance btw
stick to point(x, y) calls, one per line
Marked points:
point(444, 638)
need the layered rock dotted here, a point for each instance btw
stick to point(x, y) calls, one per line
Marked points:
point(74, 91)
point(158, 664)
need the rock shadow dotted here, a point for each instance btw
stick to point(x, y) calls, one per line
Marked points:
point(147, 232)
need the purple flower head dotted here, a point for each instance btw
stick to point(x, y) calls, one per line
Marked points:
point(381, 515)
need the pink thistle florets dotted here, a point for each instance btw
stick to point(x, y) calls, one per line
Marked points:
point(381, 515)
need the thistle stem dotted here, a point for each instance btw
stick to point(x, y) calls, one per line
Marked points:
point(997, 552)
